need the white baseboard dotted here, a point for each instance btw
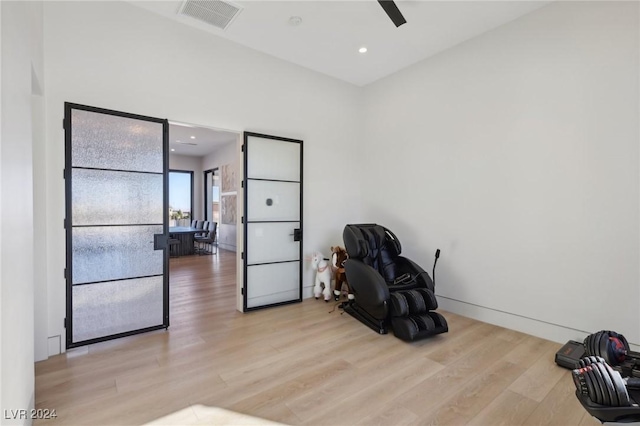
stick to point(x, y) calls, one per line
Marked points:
point(228, 247)
point(532, 326)
point(307, 292)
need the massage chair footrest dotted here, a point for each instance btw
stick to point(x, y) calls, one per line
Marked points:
point(405, 303)
point(416, 327)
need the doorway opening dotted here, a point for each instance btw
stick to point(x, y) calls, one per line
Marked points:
point(213, 157)
point(212, 194)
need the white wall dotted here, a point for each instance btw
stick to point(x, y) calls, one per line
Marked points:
point(194, 164)
point(226, 154)
point(21, 53)
point(517, 154)
point(2, 404)
point(130, 60)
point(40, 227)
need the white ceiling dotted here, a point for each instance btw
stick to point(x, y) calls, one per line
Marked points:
point(331, 32)
point(204, 142)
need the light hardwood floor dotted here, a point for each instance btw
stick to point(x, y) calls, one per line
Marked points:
point(302, 364)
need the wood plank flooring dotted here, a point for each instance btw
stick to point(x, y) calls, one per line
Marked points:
point(302, 364)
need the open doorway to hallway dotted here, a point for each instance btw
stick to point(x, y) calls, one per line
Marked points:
point(211, 156)
point(204, 162)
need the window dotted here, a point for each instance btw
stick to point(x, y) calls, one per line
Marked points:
point(180, 197)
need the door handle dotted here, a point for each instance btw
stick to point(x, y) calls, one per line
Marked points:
point(297, 234)
point(160, 241)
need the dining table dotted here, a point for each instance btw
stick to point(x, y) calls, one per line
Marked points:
point(185, 234)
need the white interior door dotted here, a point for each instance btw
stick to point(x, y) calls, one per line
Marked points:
point(272, 221)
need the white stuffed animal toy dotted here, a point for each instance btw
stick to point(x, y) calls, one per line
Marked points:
point(323, 276)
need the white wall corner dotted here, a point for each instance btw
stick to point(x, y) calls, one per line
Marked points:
point(527, 154)
point(2, 378)
point(54, 345)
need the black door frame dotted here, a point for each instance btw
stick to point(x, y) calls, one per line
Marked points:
point(245, 222)
point(68, 273)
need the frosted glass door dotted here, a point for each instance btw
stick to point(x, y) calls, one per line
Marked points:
point(272, 221)
point(116, 224)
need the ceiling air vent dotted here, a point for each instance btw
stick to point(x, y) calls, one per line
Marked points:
point(213, 12)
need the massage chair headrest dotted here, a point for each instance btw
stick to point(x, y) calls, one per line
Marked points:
point(357, 238)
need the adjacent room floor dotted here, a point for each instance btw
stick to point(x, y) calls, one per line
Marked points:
point(302, 364)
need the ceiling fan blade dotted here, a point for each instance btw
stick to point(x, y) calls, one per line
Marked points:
point(392, 10)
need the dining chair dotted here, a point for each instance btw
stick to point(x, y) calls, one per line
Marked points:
point(205, 226)
point(209, 239)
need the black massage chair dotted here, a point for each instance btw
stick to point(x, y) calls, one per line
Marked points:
point(390, 290)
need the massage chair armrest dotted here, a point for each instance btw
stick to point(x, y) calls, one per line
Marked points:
point(368, 286)
point(409, 266)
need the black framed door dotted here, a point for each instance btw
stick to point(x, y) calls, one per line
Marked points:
point(272, 221)
point(116, 179)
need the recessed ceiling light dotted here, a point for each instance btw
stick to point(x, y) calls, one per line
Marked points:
point(295, 21)
point(362, 50)
point(193, 137)
point(173, 149)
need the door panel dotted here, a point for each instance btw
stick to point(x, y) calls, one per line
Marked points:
point(273, 159)
point(273, 200)
point(272, 221)
point(105, 141)
point(116, 175)
point(102, 253)
point(109, 308)
point(272, 284)
point(272, 242)
point(113, 198)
